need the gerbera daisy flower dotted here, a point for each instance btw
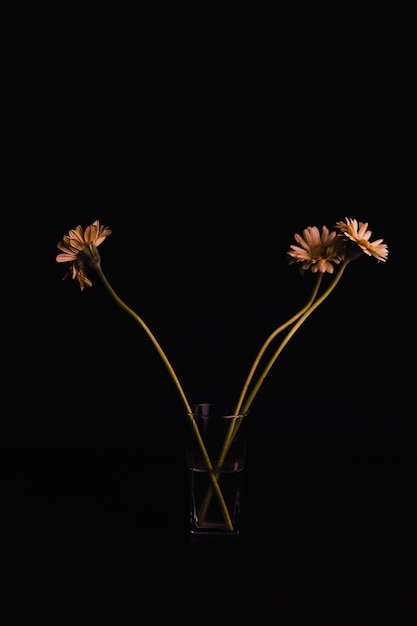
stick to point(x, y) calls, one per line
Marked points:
point(317, 251)
point(79, 250)
point(358, 233)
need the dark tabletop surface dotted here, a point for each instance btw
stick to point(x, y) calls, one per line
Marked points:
point(328, 531)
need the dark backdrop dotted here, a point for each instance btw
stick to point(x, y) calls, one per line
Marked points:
point(204, 159)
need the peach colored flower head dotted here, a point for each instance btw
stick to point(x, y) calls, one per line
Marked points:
point(358, 233)
point(79, 250)
point(317, 251)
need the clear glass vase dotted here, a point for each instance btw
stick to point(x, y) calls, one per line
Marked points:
point(215, 473)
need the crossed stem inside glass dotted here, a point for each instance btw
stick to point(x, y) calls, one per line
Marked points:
point(215, 470)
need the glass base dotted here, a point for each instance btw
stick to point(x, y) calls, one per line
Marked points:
point(214, 535)
point(207, 519)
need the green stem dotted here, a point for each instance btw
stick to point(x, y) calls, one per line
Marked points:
point(247, 404)
point(225, 448)
point(230, 435)
point(236, 421)
point(212, 475)
point(269, 340)
point(243, 407)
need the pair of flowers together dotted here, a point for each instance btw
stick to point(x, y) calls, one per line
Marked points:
point(319, 252)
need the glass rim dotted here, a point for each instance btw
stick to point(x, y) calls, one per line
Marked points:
point(216, 415)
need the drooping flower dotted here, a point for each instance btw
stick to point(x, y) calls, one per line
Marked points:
point(358, 233)
point(317, 251)
point(79, 250)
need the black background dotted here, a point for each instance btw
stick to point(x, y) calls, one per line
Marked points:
point(204, 158)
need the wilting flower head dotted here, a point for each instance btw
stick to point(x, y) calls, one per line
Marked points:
point(356, 232)
point(80, 250)
point(317, 251)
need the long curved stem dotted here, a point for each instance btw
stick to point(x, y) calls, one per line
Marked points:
point(211, 472)
point(237, 420)
point(270, 339)
point(247, 404)
point(275, 333)
point(301, 316)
